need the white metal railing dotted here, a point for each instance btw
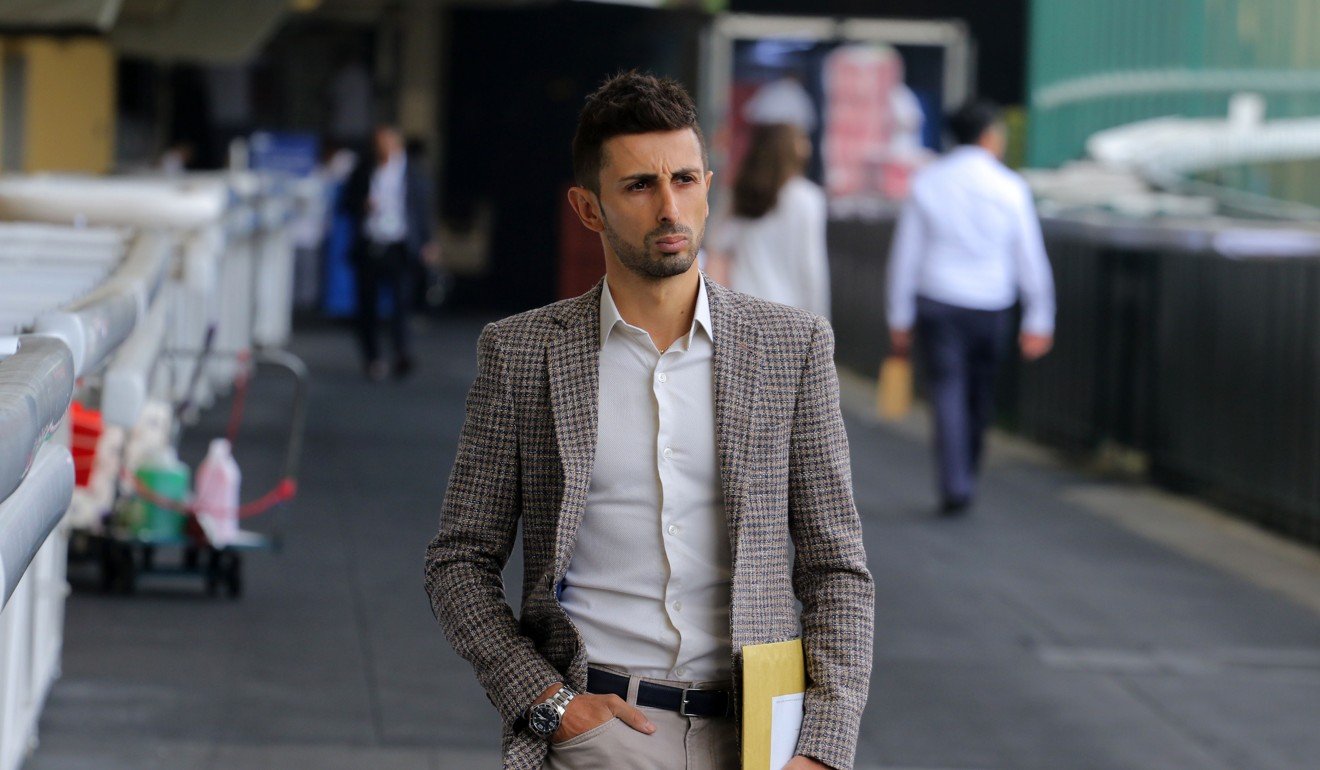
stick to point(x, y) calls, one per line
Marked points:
point(36, 385)
point(150, 265)
point(31, 625)
point(233, 227)
point(30, 513)
point(79, 294)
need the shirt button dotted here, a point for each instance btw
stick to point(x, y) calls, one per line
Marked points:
point(662, 377)
point(678, 606)
point(668, 453)
point(680, 671)
point(673, 529)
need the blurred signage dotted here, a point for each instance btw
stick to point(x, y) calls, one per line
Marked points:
point(873, 126)
point(288, 152)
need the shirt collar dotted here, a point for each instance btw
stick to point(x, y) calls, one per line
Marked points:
point(609, 312)
point(974, 151)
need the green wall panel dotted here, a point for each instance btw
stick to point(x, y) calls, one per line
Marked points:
point(1095, 64)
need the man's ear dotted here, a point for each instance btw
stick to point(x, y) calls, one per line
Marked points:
point(587, 205)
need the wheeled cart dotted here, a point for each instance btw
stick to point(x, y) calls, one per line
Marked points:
point(126, 555)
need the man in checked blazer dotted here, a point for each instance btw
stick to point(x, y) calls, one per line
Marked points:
point(675, 454)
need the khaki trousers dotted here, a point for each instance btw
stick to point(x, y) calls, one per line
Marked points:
point(678, 743)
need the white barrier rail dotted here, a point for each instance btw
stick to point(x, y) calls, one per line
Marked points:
point(80, 293)
point(163, 261)
point(32, 623)
point(31, 512)
point(36, 385)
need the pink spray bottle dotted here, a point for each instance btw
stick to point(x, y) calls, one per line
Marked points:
point(216, 498)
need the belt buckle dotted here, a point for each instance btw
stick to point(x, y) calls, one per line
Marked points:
point(683, 704)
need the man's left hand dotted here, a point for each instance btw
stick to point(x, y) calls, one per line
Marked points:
point(804, 763)
point(1035, 346)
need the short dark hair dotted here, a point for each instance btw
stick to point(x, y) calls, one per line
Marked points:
point(972, 120)
point(629, 103)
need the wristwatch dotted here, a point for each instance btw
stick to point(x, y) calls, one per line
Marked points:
point(544, 717)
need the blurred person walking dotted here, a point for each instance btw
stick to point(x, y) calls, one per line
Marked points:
point(640, 435)
point(968, 244)
point(389, 199)
point(770, 240)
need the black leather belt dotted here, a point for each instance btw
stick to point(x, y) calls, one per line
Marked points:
point(688, 702)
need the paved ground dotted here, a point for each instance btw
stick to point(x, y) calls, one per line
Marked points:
point(1070, 623)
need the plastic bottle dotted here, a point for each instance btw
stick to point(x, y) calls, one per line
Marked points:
point(165, 476)
point(216, 500)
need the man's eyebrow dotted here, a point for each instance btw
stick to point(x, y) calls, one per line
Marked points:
point(649, 177)
point(641, 177)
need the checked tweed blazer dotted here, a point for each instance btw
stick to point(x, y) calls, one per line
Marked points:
point(526, 455)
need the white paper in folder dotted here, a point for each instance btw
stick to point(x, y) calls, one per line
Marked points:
point(785, 724)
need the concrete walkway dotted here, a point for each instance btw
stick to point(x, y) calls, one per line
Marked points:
point(1069, 623)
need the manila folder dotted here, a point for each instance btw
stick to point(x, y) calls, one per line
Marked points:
point(774, 681)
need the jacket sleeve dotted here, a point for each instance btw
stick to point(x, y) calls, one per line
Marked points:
point(479, 519)
point(422, 201)
point(830, 576)
point(353, 199)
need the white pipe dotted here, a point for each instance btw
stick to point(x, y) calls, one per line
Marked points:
point(141, 273)
point(128, 378)
point(99, 322)
point(92, 329)
point(36, 385)
point(28, 516)
point(183, 203)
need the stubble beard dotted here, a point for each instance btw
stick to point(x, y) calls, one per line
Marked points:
point(657, 265)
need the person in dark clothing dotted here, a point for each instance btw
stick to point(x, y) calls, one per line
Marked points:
point(389, 200)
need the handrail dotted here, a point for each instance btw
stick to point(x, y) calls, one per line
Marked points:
point(136, 202)
point(141, 272)
point(128, 377)
point(1222, 236)
point(29, 515)
point(92, 328)
point(95, 325)
point(36, 385)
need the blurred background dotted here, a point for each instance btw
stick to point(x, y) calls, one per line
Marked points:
point(1139, 588)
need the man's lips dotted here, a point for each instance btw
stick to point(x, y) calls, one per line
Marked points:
point(672, 244)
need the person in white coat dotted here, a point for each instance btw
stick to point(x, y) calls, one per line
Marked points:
point(770, 242)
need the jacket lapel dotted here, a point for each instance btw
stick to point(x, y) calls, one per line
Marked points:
point(573, 366)
point(737, 364)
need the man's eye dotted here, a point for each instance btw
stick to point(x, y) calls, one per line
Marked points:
point(637, 186)
point(687, 179)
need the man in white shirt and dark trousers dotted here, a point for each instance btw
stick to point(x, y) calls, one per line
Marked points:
point(967, 247)
point(390, 201)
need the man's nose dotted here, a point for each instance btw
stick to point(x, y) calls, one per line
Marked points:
point(668, 212)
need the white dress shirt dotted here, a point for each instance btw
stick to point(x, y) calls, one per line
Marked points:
point(387, 217)
point(648, 586)
point(781, 256)
point(968, 236)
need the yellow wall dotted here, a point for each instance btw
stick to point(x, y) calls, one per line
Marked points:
point(69, 104)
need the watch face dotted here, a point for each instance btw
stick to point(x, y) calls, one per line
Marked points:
point(544, 719)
